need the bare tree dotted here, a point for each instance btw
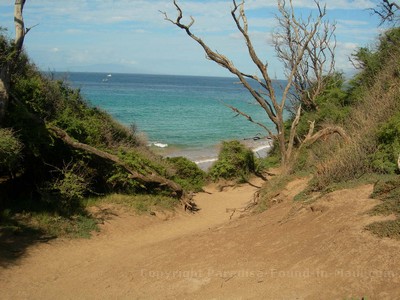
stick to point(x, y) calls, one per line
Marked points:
point(305, 47)
point(387, 11)
point(6, 63)
point(20, 31)
point(318, 61)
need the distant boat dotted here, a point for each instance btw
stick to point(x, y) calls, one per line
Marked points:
point(109, 75)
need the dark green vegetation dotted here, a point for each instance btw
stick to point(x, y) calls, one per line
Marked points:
point(10, 151)
point(188, 174)
point(388, 137)
point(235, 162)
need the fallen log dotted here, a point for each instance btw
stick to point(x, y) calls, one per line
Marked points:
point(146, 179)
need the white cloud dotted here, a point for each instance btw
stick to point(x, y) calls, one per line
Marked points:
point(262, 22)
point(114, 31)
point(337, 4)
point(351, 22)
point(343, 53)
point(139, 31)
point(365, 34)
point(127, 62)
point(74, 31)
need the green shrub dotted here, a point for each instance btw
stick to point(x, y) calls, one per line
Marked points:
point(187, 174)
point(120, 182)
point(68, 188)
point(235, 161)
point(372, 61)
point(385, 158)
point(265, 163)
point(333, 106)
point(10, 150)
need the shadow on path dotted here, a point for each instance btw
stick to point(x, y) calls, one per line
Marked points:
point(15, 239)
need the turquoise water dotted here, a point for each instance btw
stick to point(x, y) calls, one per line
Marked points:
point(183, 112)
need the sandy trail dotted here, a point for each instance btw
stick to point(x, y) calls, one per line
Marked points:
point(291, 251)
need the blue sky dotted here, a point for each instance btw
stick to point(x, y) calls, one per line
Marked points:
point(132, 36)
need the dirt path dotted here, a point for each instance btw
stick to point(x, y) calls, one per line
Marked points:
point(291, 251)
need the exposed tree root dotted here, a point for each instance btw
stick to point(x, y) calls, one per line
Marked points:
point(247, 208)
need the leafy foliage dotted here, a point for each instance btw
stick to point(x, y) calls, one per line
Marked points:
point(333, 106)
point(10, 151)
point(187, 174)
point(69, 184)
point(385, 158)
point(235, 161)
point(372, 61)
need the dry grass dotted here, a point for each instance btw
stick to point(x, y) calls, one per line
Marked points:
point(350, 160)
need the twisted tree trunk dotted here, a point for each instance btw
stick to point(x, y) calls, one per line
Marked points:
point(146, 179)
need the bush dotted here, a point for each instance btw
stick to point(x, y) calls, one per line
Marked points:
point(373, 61)
point(235, 161)
point(271, 161)
point(385, 158)
point(10, 150)
point(68, 188)
point(187, 174)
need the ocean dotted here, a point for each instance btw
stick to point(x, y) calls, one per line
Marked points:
point(179, 115)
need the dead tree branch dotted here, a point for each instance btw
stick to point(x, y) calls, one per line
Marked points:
point(249, 118)
point(387, 11)
point(306, 47)
point(313, 137)
point(312, 41)
point(19, 26)
point(223, 61)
